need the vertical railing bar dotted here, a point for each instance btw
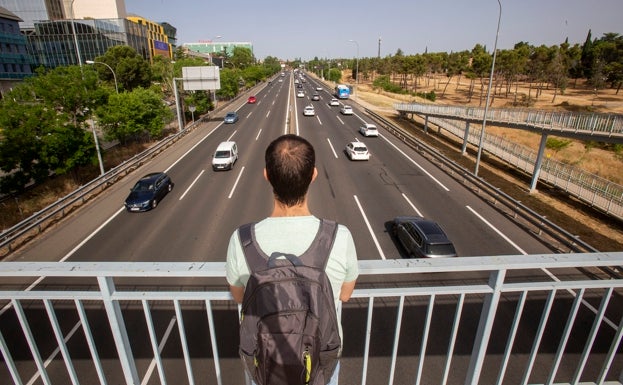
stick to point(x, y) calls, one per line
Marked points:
point(8, 359)
point(511, 337)
point(485, 325)
point(616, 341)
point(455, 329)
point(60, 340)
point(118, 330)
point(153, 340)
point(182, 332)
point(392, 371)
point(592, 335)
point(217, 361)
point(565, 336)
point(429, 315)
point(366, 352)
point(90, 341)
point(539, 336)
point(19, 311)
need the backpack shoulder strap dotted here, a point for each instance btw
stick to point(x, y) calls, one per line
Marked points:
point(256, 258)
point(317, 255)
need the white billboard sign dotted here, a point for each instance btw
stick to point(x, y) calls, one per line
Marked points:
point(201, 78)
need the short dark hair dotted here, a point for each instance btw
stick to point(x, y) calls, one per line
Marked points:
point(290, 162)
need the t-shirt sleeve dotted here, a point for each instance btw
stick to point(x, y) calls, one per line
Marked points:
point(352, 267)
point(234, 272)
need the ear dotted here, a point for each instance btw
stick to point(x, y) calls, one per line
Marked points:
point(265, 174)
point(315, 174)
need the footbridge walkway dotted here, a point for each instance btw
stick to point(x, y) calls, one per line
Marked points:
point(592, 189)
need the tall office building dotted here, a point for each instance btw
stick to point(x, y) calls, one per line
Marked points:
point(69, 32)
point(14, 59)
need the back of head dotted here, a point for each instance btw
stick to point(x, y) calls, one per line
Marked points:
point(290, 162)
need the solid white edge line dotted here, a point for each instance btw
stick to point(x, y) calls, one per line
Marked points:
point(365, 218)
point(416, 164)
point(231, 193)
point(191, 185)
point(507, 239)
point(85, 240)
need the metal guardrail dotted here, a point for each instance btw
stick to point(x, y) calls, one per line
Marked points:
point(403, 331)
point(534, 223)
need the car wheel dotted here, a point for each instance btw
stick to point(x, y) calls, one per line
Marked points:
point(154, 203)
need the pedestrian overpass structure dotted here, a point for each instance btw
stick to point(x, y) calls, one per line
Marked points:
point(597, 192)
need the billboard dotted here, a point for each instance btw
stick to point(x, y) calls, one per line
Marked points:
point(201, 78)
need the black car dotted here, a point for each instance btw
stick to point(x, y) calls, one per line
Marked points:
point(148, 191)
point(422, 238)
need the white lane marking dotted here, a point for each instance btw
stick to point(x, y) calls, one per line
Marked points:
point(85, 240)
point(507, 239)
point(417, 165)
point(332, 149)
point(152, 365)
point(365, 218)
point(192, 184)
point(53, 355)
point(412, 205)
point(235, 184)
point(258, 134)
point(547, 272)
point(319, 121)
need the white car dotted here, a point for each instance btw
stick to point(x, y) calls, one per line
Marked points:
point(346, 110)
point(368, 130)
point(357, 151)
point(300, 94)
point(309, 111)
point(318, 88)
point(334, 102)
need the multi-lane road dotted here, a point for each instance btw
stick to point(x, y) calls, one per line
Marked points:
point(195, 220)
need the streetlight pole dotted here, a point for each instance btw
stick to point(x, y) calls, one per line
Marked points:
point(484, 120)
point(73, 30)
point(114, 76)
point(357, 66)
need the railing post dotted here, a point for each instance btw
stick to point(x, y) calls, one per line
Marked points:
point(487, 316)
point(118, 330)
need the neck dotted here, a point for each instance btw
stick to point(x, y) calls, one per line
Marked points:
point(281, 210)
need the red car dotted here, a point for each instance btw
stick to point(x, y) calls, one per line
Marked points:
point(251, 100)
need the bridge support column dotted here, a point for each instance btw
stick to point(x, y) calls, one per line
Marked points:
point(539, 162)
point(426, 124)
point(465, 136)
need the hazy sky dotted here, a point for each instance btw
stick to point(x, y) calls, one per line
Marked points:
point(307, 29)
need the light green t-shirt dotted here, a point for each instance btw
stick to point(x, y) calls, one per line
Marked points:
point(293, 235)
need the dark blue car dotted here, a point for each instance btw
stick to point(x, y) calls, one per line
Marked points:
point(148, 192)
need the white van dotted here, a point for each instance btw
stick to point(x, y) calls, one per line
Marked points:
point(225, 156)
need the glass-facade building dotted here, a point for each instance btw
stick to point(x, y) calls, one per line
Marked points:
point(53, 43)
point(15, 62)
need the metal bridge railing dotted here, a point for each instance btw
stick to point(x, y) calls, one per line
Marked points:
point(497, 320)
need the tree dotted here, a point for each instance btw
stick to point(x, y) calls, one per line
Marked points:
point(241, 58)
point(130, 68)
point(133, 116)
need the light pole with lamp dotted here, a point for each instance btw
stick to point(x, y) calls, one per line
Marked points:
point(73, 30)
point(212, 51)
point(110, 68)
point(484, 120)
point(357, 66)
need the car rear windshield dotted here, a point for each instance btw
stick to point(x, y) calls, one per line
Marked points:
point(441, 249)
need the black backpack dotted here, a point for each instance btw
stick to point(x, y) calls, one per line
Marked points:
point(289, 328)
